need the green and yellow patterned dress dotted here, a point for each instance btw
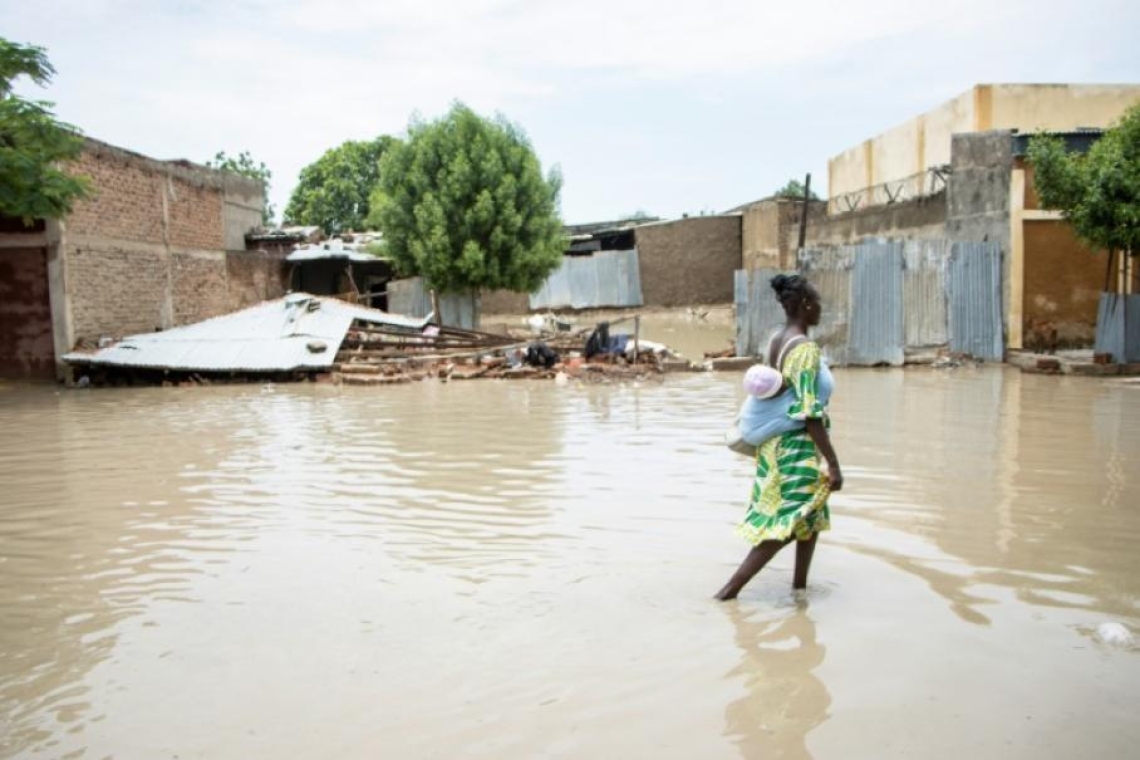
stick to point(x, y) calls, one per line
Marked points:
point(789, 493)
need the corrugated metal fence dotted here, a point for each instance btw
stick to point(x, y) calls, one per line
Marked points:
point(975, 300)
point(608, 278)
point(883, 301)
point(1118, 327)
point(411, 298)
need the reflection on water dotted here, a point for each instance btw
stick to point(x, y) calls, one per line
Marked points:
point(511, 569)
point(784, 700)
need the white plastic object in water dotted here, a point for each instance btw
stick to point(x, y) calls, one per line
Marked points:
point(1114, 633)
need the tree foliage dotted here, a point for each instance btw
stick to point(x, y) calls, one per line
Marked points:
point(1098, 192)
point(33, 144)
point(334, 191)
point(244, 165)
point(464, 203)
point(794, 189)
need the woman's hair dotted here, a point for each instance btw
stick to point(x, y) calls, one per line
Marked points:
point(789, 288)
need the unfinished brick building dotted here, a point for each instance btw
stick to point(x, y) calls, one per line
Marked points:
point(158, 244)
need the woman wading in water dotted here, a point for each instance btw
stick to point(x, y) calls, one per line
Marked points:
point(795, 471)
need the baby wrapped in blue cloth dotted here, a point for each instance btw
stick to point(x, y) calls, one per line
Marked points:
point(765, 413)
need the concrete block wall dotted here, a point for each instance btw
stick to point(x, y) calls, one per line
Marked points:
point(770, 231)
point(504, 302)
point(977, 194)
point(689, 261)
point(917, 219)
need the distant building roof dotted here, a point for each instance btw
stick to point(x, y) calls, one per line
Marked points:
point(337, 249)
point(593, 228)
point(274, 336)
point(770, 199)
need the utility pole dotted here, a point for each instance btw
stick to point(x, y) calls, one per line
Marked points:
point(804, 211)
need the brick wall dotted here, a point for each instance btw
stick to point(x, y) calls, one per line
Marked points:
point(689, 261)
point(195, 216)
point(126, 200)
point(199, 286)
point(148, 249)
point(255, 276)
point(116, 291)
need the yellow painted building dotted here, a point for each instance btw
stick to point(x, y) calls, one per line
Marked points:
point(923, 142)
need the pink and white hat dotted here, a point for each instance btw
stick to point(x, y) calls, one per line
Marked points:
point(762, 381)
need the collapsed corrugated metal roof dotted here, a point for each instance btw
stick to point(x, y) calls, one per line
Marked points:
point(352, 250)
point(297, 332)
point(325, 254)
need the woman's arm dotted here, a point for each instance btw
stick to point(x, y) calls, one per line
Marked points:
point(819, 435)
point(803, 371)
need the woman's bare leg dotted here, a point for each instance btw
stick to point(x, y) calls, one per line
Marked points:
point(804, 552)
point(754, 562)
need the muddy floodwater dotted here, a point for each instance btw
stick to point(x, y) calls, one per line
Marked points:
point(519, 569)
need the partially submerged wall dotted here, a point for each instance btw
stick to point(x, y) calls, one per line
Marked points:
point(689, 261)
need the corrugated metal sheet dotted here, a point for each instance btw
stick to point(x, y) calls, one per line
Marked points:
point(882, 299)
point(829, 270)
point(924, 293)
point(1118, 327)
point(271, 337)
point(758, 313)
point(975, 300)
point(876, 335)
point(410, 296)
point(325, 254)
point(608, 278)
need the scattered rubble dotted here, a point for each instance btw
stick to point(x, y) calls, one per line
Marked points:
point(303, 337)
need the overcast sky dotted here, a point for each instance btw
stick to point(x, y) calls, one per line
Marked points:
point(653, 105)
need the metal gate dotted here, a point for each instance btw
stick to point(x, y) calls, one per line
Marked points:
point(877, 305)
point(975, 300)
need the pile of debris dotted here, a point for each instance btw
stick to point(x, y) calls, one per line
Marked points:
point(383, 355)
point(304, 337)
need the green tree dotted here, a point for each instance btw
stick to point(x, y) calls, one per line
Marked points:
point(794, 189)
point(334, 191)
point(244, 165)
point(34, 146)
point(464, 203)
point(1098, 192)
